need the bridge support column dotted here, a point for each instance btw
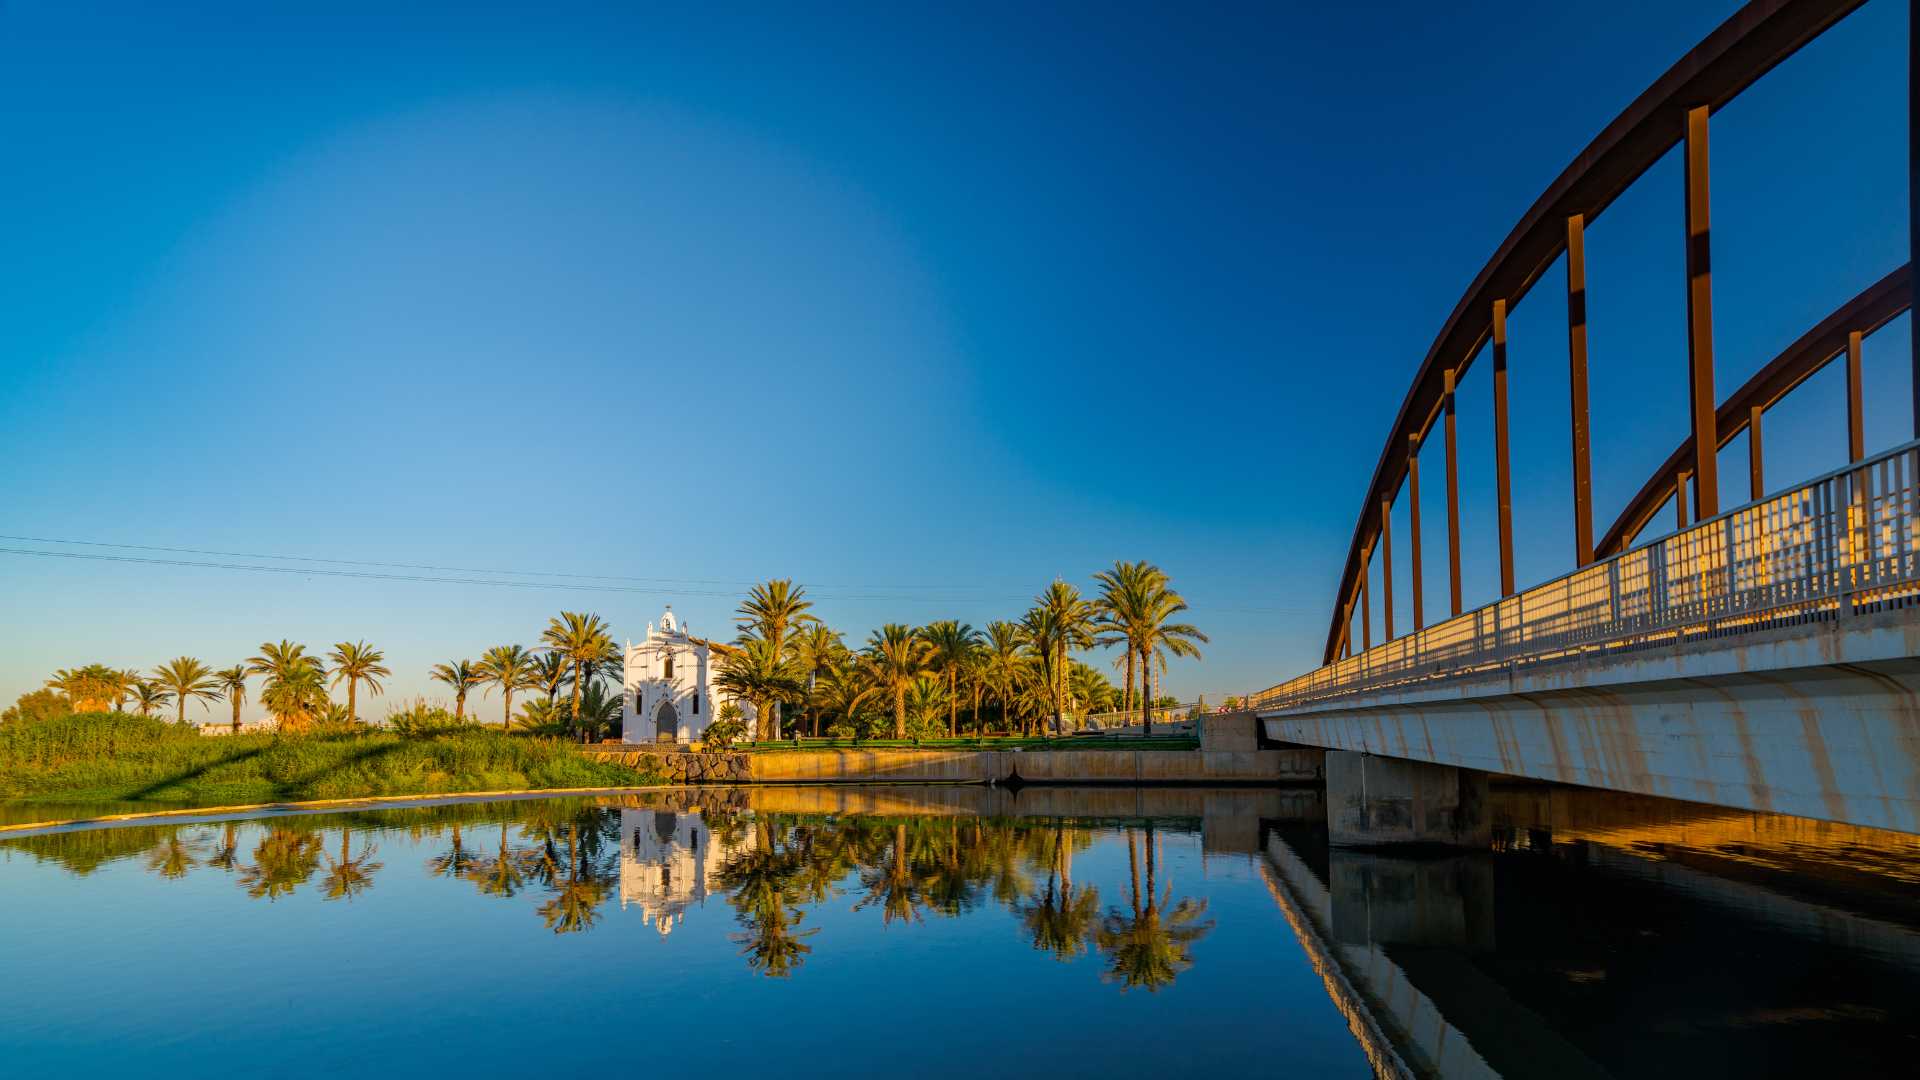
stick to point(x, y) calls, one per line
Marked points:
point(1374, 801)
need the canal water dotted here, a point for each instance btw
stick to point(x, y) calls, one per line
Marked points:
point(960, 932)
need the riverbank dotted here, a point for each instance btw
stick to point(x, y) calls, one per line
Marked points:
point(117, 758)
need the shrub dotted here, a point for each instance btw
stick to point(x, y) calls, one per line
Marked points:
point(420, 719)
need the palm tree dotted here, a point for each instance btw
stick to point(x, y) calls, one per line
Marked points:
point(462, 676)
point(549, 673)
point(772, 609)
point(762, 675)
point(91, 688)
point(1059, 623)
point(510, 668)
point(840, 692)
point(1146, 613)
point(357, 662)
point(233, 683)
point(148, 696)
point(769, 612)
point(894, 656)
point(950, 645)
point(580, 638)
point(185, 677)
point(1001, 654)
point(295, 686)
point(818, 650)
point(1120, 590)
point(298, 697)
point(123, 683)
point(599, 711)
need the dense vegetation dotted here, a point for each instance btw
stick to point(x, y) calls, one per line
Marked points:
point(119, 756)
point(945, 678)
point(942, 679)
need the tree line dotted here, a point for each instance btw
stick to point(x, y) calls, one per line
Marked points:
point(1017, 675)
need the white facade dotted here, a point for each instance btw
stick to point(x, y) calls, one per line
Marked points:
point(668, 861)
point(669, 695)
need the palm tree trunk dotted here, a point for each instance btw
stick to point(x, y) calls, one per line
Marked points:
point(900, 711)
point(1146, 692)
point(506, 709)
point(353, 710)
point(1127, 705)
point(953, 708)
point(182, 714)
point(578, 730)
point(236, 714)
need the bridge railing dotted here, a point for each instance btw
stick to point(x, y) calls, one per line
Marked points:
point(1839, 544)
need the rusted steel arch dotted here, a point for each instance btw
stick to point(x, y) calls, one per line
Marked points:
point(1880, 304)
point(1738, 52)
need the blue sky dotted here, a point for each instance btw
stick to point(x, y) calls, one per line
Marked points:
point(922, 308)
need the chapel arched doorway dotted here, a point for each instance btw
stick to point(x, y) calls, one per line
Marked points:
point(666, 723)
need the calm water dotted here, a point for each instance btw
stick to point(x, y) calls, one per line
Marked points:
point(963, 932)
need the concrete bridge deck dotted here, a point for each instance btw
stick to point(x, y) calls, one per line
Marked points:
point(1819, 720)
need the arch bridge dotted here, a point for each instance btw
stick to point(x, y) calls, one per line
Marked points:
point(1764, 656)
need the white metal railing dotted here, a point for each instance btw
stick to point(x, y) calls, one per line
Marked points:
point(1829, 547)
point(1162, 714)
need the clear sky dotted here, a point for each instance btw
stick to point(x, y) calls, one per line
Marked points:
point(922, 308)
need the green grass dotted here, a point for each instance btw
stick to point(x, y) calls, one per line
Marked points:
point(995, 742)
point(102, 756)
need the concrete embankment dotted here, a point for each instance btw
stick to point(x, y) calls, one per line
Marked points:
point(976, 766)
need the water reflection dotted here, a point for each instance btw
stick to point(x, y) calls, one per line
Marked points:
point(773, 858)
point(1599, 936)
point(1610, 935)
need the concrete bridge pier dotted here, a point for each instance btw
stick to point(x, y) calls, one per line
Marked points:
point(1376, 801)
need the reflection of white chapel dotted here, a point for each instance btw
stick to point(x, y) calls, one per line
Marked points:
point(670, 695)
point(667, 863)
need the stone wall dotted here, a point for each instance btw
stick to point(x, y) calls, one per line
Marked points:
point(679, 767)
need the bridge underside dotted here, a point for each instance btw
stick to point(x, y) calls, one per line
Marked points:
point(1819, 720)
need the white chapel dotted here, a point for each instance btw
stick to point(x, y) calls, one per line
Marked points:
point(670, 696)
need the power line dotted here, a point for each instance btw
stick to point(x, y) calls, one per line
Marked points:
point(656, 586)
point(438, 569)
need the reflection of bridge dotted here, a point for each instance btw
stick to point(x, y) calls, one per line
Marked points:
point(1767, 657)
point(1485, 965)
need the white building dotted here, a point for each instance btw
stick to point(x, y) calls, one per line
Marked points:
point(667, 862)
point(670, 696)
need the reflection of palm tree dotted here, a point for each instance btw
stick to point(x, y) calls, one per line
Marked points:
point(770, 944)
point(502, 875)
point(1060, 921)
point(1151, 947)
point(761, 882)
point(226, 856)
point(894, 888)
point(577, 898)
point(282, 862)
point(953, 872)
point(349, 876)
point(454, 862)
point(173, 857)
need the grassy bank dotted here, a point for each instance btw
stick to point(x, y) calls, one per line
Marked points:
point(113, 756)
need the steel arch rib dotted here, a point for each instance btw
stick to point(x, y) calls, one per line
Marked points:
point(1882, 302)
point(1738, 52)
